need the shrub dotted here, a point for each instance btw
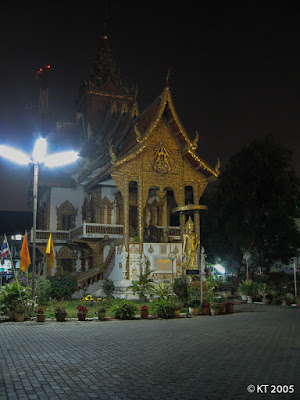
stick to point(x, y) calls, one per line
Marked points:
point(108, 287)
point(62, 285)
point(163, 308)
point(143, 285)
point(248, 288)
point(180, 288)
point(11, 296)
point(160, 290)
point(124, 309)
point(43, 290)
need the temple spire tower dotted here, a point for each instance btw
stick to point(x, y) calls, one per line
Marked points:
point(103, 95)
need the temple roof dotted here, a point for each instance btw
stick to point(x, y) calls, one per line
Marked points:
point(127, 136)
point(145, 123)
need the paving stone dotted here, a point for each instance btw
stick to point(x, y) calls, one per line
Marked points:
point(200, 358)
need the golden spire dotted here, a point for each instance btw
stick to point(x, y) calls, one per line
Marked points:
point(168, 77)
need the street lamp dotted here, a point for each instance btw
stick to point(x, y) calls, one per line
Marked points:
point(247, 257)
point(39, 156)
point(172, 256)
point(220, 268)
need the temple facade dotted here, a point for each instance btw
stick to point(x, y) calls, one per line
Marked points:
point(111, 214)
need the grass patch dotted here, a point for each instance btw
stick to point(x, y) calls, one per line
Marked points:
point(70, 307)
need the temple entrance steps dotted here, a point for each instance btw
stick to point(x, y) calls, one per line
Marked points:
point(94, 276)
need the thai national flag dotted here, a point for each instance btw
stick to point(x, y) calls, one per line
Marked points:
point(4, 251)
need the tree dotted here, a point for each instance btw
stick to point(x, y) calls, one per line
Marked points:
point(254, 206)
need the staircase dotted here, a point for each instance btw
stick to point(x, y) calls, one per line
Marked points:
point(92, 276)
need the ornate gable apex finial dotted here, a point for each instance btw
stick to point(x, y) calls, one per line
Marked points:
point(105, 23)
point(168, 77)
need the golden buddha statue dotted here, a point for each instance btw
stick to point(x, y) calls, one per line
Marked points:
point(190, 244)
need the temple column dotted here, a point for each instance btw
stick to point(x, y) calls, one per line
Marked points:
point(126, 218)
point(197, 214)
point(181, 199)
point(140, 213)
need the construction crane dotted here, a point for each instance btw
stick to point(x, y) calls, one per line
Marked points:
point(43, 112)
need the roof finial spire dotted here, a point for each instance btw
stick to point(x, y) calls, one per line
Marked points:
point(105, 22)
point(168, 77)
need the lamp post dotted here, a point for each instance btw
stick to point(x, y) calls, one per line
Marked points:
point(172, 256)
point(39, 157)
point(247, 257)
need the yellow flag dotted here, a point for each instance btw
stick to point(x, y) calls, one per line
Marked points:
point(25, 256)
point(50, 251)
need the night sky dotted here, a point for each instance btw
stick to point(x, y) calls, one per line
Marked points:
point(234, 70)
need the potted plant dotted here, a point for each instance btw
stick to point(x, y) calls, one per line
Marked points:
point(11, 295)
point(162, 307)
point(20, 311)
point(267, 298)
point(206, 308)
point(193, 305)
point(124, 309)
point(101, 312)
point(144, 312)
point(248, 288)
point(222, 307)
point(176, 309)
point(40, 315)
point(229, 307)
point(284, 300)
point(60, 313)
point(214, 310)
point(82, 311)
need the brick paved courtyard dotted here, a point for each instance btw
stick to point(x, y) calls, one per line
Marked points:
point(203, 357)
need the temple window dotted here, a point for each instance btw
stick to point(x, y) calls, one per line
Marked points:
point(66, 216)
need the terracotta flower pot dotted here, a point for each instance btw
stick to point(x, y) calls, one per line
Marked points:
point(229, 308)
point(266, 300)
point(60, 316)
point(11, 315)
point(19, 317)
point(176, 313)
point(101, 315)
point(81, 317)
point(206, 310)
point(221, 308)
point(196, 311)
point(144, 314)
point(40, 317)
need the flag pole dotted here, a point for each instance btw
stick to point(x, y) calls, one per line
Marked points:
point(295, 278)
point(13, 266)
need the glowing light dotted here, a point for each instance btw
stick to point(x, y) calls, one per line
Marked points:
point(219, 268)
point(39, 155)
point(17, 156)
point(60, 159)
point(39, 150)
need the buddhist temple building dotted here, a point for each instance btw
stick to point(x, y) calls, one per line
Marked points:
point(111, 214)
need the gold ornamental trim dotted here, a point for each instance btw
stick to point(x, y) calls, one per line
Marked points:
point(214, 172)
point(188, 208)
point(142, 139)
